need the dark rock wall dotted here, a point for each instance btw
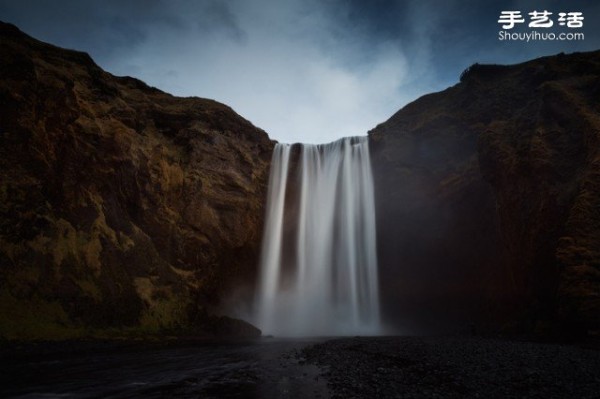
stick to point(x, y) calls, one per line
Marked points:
point(120, 205)
point(124, 207)
point(488, 201)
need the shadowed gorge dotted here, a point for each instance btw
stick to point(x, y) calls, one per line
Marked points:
point(124, 209)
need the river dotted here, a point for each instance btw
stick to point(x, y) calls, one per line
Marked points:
point(260, 368)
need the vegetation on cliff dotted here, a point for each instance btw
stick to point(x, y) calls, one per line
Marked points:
point(121, 207)
point(125, 210)
point(489, 198)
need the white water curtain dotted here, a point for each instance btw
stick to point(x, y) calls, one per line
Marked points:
point(318, 268)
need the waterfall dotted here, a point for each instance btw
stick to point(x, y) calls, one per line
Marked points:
point(318, 267)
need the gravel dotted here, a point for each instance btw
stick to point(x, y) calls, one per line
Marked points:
point(454, 367)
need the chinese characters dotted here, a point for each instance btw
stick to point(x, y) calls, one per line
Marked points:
point(541, 19)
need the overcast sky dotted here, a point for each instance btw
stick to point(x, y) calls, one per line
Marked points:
point(303, 70)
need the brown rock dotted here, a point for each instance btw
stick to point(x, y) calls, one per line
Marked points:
point(120, 205)
point(488, 198)
point(124, 207)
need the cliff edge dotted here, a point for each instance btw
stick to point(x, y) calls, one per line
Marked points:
point(489, 199)
point(121, 207)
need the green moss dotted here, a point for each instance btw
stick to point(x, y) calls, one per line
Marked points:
point(34, 319)
point(163, 308)
point(164, 313)
point(38, 320)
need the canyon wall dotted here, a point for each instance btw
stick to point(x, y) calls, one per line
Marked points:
point(125, 209)
point(489, 200)
point(120, 206)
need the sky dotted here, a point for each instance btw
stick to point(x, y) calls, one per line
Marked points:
point(303, 70)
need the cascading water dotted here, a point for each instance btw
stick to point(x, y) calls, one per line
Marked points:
point(318, 263)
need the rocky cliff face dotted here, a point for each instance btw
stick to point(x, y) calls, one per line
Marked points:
point(123, 208)
point(489, 199)
point(120, 205)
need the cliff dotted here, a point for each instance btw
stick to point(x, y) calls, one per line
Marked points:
point(121, 207)
point(125, 210)
point(489, 200)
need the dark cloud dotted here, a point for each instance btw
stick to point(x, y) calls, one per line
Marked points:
point(216, 17)
point(457, 32)
point(103, 28)
point(304, 70)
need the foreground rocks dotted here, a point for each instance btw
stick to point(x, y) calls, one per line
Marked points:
point(455, 367)
point(121, 207)
point(368, 367)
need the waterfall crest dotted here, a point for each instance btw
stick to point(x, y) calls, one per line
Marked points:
point(318, 267)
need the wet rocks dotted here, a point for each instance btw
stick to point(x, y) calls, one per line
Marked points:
point(455, 367)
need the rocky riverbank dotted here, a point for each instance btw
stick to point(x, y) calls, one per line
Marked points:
point(455, 367)
point(367, 367)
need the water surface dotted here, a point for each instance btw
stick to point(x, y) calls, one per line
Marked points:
point(261, 368)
